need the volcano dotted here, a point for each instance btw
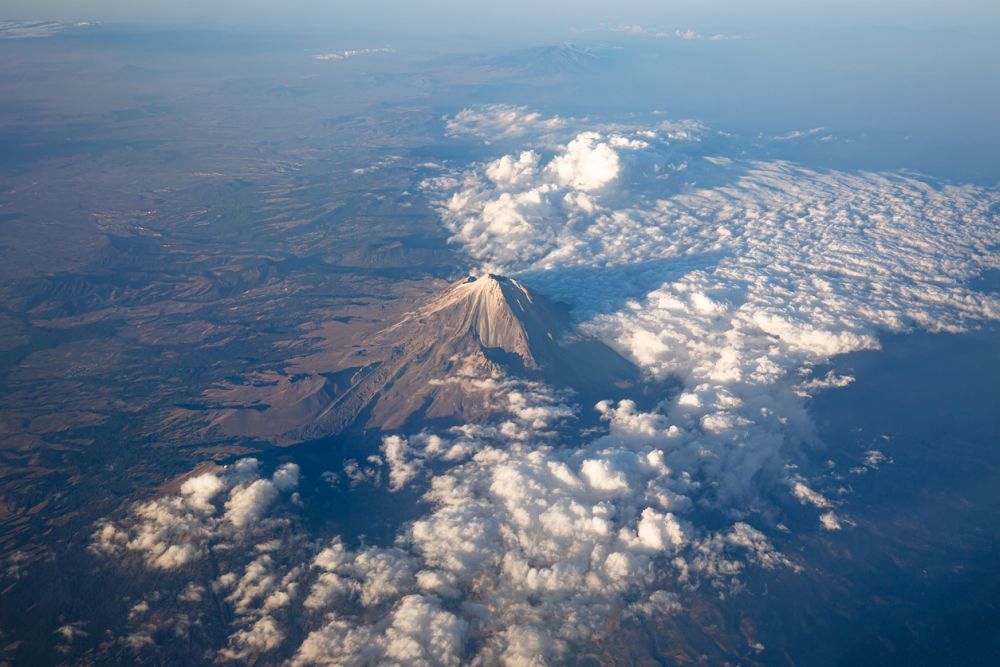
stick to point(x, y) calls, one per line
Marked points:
point(424, 366)
point(482, 327)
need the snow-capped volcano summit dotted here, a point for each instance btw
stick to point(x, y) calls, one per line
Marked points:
point(491, 313)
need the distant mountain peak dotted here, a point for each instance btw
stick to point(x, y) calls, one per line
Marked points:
point(563, 58)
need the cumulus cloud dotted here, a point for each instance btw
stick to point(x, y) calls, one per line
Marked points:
point(829, 521)
point(830, 381)
point(496, 122)
point(262, 589)
point(587, 163)
point(807, 495)
point(417, 632)
point(873, 460)
point(509, 170)
point(211, 508)
point(658, 603)
point(71, 631)
point(402, 467)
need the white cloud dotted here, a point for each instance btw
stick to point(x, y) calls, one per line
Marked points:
point(417, 632)
point(495, 122)
point(807, 495)
point(830, 381)
point(402, 467)
point(689, 35)
point(874, 457)
point(248, 504)
point(262, 636)
point(799, 134)
point(174, 530)
point(509, 171)
point(263, 589)
point(352, 53)
point(71, 631)
point(658, 603)
point(685, 34)
point(192, 593)
point(829, 521)
point(587, 163)
point(619, 141)
point(37, 29)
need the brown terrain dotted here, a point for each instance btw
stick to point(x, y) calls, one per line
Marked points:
point(424, 367)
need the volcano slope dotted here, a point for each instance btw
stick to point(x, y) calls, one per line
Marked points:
point(428, 366)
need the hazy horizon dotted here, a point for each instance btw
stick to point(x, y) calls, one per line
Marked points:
point(514, 19)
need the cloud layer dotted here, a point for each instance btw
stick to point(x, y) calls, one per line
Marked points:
point(528, 547)
point(538, 532)
point(739, 289)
